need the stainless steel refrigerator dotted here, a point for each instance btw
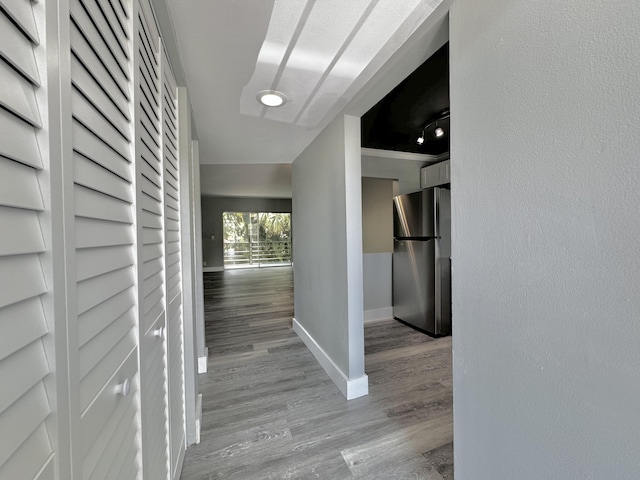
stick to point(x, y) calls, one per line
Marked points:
point(422, 260)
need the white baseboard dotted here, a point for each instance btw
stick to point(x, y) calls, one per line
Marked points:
point(212, 269)
point(198, 417)
point(202, 361)
point(378, 315)
point(350, 387)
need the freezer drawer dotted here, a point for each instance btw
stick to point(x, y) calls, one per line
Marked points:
point(414, 283)
point(422, 285)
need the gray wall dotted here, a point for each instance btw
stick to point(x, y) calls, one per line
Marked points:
point(327, 236)
point(545, 164)
point(377, 215)
point(406, 172)
point(377, 246)
point(377, 285)
point(212, 208)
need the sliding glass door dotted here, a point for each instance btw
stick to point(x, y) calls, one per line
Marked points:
point(256, 239)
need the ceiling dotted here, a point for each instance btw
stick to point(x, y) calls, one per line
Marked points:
point(319, 53)
point(241, 180)
point(396, 122)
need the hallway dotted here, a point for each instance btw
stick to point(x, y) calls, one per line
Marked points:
point(271, 412)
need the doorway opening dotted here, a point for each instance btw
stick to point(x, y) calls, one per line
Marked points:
point(256, 239)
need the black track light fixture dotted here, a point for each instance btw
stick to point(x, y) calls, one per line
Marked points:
point(433, 128)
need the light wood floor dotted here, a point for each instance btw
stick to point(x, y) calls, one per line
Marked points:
point(271, 412)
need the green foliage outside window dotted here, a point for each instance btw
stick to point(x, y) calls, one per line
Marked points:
point(257, 238)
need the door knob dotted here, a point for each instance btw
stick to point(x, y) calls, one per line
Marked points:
point(158, 333)
point(124, 388)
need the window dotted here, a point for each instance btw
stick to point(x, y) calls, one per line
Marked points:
point(256, 239)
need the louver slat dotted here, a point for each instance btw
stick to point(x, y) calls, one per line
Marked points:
point(108, 35)
point(87, 56)
point(19, 186)
point(124, 469)
point(99, 45)
point(102, 133)
point(94, 291)
point(117, 23)
point(17, 50)
point(94, 176)
point(94, 204)
point(20, 232)
point(21, 12)
point(96, 380)
point(95, 461)
point(20, 279)
point(93, 352)
point(25, 453)
point(150, 213)
point(84, 82)
point(97, 124)
point(99, 413)
point(92, 262)
point(173, 266)
point(13, 388)
point(18, 140)
point(22, 418)
point(93, 148)
point(31, 458)
point(91, 323)
point(21, 324)
point(98, 233)
point(17, 95)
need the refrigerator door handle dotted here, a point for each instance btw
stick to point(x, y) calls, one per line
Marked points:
point(415, 239)
point(436, 212)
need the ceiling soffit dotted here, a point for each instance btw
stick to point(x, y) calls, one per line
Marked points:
point(315, 52)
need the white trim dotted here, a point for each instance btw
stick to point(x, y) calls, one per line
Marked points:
point(175, 475)
point(350, 387)
point(378, 315)
point(420, 157)
point(197, 248)
point(202, 361)
point(198, 417)
point(212, 269)
point(187, 252)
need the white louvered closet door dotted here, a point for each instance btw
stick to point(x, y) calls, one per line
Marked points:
point(151, 275)
point(175, 385)
point(101, 105)
point(25, 450)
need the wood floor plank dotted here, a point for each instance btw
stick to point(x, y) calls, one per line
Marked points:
point(441, 460)
point(271, 412)
point(400, 445)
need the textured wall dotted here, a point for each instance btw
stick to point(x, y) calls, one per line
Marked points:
point(327, 236)
point(546, 221)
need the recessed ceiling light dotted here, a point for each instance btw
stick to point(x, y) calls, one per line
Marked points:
point(271, 98)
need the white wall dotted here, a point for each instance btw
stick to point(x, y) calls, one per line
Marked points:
point(545, 120)
point(327, 236)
